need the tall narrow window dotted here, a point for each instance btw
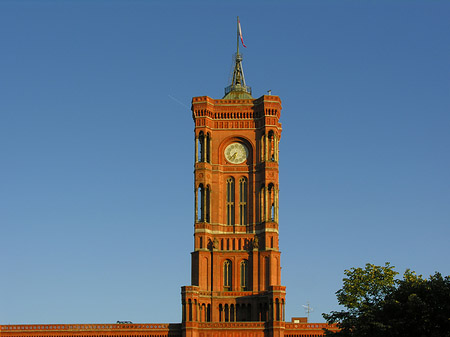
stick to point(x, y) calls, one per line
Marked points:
point(271, 146)
point(272, 202)
point(208, 148)
point(262, 148)
point(244, 275)
point(203, 203)
point(227, 275)
point(201, 147)
point(200, 199)
point(230, 201)
point(243, 201)
point(207, 204)
point(276, 143)
point(262, 204)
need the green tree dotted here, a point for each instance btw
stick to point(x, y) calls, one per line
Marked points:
point(362, 293)
point(379, 305)
point(418, 307)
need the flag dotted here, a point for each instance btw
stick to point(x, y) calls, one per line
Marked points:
point(240, 33)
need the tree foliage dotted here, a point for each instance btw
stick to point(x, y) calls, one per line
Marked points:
point(378, 304)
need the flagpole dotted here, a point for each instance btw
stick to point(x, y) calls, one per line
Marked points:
point(237, 36)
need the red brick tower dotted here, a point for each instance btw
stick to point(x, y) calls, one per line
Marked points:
point(235, 289)
point(236, 258)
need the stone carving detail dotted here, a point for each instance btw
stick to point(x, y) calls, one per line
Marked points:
point(255, 242)
point(215, 244)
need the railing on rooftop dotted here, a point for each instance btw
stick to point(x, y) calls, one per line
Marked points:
point(71, 327)
point(242, 88)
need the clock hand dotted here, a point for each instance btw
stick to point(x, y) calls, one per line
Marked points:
point(233, 156)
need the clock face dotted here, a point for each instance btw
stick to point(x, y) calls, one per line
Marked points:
point(236, 153)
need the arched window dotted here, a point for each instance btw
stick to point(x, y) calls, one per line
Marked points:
point(227, 313)
point(277, 309)
point(244, 275)
point(200, 203)
point(276, 144)
point(190, 310)
point(232, 313)
point(262, 148)
point(201, 147)
point(271, 202)
point(243, 201)
point(230, 201)
point(227, 275)
point(207, 204)
point(208, 148)
point(272, 146)
point(203, 203)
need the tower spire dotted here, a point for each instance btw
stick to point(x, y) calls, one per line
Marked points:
point(237, 88)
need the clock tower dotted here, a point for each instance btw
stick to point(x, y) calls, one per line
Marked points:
point(235, 286)
point(236, 259)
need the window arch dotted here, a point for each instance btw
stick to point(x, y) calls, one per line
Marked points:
point(243, 192)
point(227, 275)
point(262, 148)
point(230, 201)
point(203, 203)
point(208, 148)
point(199, 211)
point(203, 147)
point(271, 146)
point(271, 202)
point(244, 275)
point(207, 204)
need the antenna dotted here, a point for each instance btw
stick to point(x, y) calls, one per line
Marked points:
point(308, 308)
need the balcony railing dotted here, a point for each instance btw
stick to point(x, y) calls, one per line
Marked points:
point(243, 88)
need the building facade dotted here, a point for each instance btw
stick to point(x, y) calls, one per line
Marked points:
point(236, 288)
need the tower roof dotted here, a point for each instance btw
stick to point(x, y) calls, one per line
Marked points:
point(238, 89)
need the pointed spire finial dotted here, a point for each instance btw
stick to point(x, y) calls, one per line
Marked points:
point(238, 87)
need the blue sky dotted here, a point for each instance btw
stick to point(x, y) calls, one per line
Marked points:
point(96, 143)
